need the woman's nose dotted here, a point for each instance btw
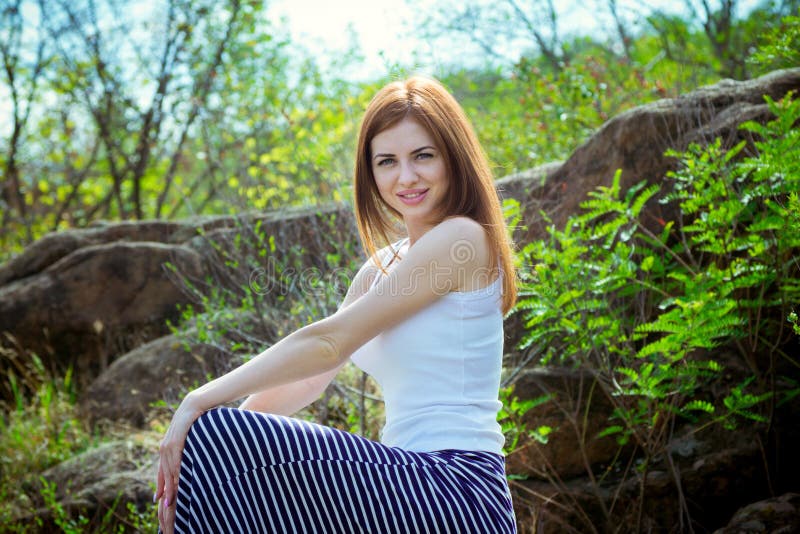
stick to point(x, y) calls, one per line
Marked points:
point(408, 175)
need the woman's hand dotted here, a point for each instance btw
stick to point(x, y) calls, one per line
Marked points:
point(169, 463)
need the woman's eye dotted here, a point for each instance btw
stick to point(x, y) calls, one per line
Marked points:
point(385, 162)
point(424, 155)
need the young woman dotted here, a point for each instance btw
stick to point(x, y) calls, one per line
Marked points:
point(424, 316)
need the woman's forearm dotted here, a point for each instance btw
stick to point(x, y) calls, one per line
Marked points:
point(286, 399)
point(296, 357)
point(289, 399)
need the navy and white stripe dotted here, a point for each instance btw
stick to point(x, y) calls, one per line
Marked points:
point(245, 471)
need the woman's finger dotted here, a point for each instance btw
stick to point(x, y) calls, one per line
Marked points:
point(170, 454)
point(161, 521)
point(159, 480)
point(169, 518)
point(169, 490)
point(167, 472)
point(171, 473)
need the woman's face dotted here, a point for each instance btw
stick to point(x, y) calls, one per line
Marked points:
point(410, 173)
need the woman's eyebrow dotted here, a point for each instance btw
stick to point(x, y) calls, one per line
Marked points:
point(415, 151)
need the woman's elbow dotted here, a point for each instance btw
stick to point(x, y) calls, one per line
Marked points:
point(325, 345)
point(331, 351)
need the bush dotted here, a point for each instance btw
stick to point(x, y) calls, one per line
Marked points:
point(645, 310)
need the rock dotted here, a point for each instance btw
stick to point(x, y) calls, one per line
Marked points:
point(635, 141)
point(718, 471)
point(777, 515)
point(96, 302)
point(81, 298)
point(53, 247)
point(109, 475)
point(157, 371)
point(578, 412)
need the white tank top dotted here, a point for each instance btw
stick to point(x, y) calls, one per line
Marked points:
point(440, 371)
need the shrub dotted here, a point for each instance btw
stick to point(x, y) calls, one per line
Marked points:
point(644, 310)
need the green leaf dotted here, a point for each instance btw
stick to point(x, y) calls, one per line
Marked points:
point(698, 405)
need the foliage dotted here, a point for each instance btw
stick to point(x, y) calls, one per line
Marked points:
point(511, 419)
point(713, 39)
point(536, 114)
point(274, 138)
point(780, 47)
point(642, 308)
point(263, 286)
point(37, 432)
point(42, 428)
point(541, 105)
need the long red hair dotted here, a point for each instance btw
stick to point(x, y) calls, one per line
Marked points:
point(472, 191)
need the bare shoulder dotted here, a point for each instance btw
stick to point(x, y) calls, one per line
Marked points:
point(467, 238)
point(449, 257)
point(464, 228)
point(461, 245)
point(461, 222)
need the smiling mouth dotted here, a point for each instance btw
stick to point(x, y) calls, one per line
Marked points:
point(413, 197)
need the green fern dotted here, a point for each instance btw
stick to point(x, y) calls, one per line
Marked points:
point(637, 307)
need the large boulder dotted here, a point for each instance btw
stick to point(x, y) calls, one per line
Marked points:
point(709, 475)
point(635, 141)
point(52, 247)
point(778, 514)
point(98, 483)
point(96, 301)
point(83, 297)
point(158, 371)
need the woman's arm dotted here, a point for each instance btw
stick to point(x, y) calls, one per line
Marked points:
point(290, 398)
point(445, 259)
point(279, 399)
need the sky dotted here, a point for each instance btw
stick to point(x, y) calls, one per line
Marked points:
point(383, 29)
point(380, 28)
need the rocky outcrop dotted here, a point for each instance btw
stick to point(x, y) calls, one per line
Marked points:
point(97, 301)
point(162, 369)
point(711, 475)
point(779, 514)
point(635, 142)
point(83, 297)
point(576, 411)
point(97, 483)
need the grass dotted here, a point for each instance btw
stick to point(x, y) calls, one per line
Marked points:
point(41, 427)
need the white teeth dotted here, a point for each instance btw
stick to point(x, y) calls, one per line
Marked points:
point(412, 195)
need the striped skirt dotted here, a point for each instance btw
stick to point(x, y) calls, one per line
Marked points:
point(245, 471)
